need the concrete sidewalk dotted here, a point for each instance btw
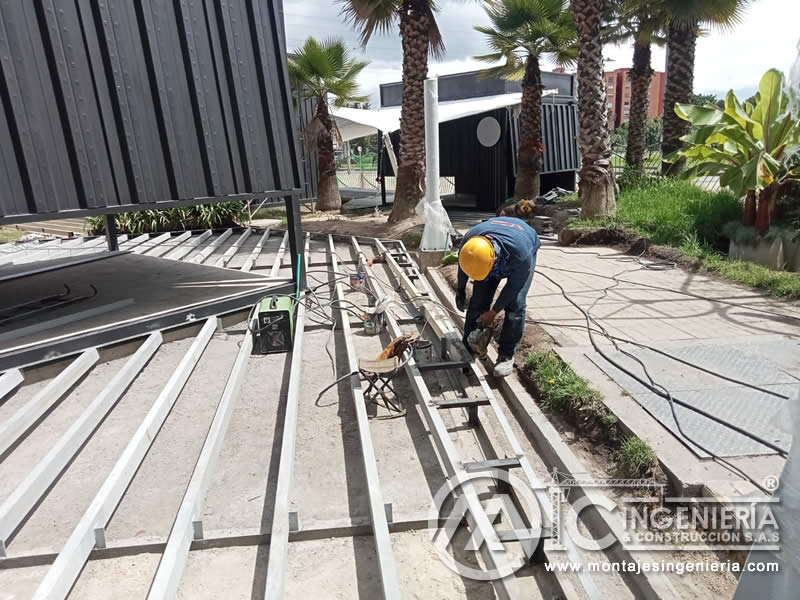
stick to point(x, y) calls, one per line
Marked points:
point(718, 325)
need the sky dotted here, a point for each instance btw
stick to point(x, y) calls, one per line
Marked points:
point(767, 37)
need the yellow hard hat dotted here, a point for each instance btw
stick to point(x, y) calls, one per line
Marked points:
point(476, 257)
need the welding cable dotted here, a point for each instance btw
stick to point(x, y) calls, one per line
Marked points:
point(716, 458)
point(655, 389)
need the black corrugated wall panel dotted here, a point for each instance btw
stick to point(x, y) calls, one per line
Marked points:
point(116, 105)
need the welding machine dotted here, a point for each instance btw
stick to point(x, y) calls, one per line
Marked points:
point(275, 325)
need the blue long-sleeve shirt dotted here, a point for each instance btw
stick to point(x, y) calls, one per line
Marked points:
point(515, 245)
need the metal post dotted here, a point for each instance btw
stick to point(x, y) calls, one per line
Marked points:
point(381, 171)
point(111, 233)
point(295, 231)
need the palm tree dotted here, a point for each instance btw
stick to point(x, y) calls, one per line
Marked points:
point(642, 22)
point(524, 32)
point(325, 70)
point(684, 19)
point(419, 36)
point(596, 189)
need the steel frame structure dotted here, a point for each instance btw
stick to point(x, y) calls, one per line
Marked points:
point(446, 332)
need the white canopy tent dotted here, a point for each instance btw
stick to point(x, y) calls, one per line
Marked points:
point(355, 122)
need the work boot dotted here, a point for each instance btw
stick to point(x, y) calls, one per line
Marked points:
point(504, 366)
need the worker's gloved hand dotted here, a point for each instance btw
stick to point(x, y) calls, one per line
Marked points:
point(461, 300)
point(487, 318)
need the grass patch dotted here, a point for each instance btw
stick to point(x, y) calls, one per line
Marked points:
point(667, 211)
point(10, 235)
point(560, 388)
point(781, 284)
point(676, 213)
point(637, 458)
point(271, 213)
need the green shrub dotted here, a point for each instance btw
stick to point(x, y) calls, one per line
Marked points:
point(668, 210)
point(201, 216)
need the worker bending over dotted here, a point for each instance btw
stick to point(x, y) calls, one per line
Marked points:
point(500, 248)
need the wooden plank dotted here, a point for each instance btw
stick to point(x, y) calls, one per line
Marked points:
point(251, 260)
point(22, 420)
point(36, 483)
point(62, 575)
point(380, 527)
point(230, 252)
point(173, 560)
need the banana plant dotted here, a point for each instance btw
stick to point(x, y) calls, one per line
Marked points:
point(754, 149)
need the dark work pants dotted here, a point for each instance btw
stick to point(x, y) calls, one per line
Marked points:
point(514, 318)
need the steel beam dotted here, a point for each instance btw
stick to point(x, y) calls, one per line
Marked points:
point(133, 243)
point(152, 244)
point(173, 560)
point(276, 265)
point(443, 325)
point(170, 245)
point(493, 552)
point(9, 380)
point(234, 248)
point(111, 233)
point(254, 254)
point(181, 251)
point(275, 585)
point(13, 429)
point(201, 256)
point(62, 575)
point(25, 496)
point(383, 543)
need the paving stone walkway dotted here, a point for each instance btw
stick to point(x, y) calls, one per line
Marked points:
point(733, 330)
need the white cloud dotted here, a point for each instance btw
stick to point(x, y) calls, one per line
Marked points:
point(725, 59)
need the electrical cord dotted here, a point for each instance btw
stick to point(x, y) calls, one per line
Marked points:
point(664, 393)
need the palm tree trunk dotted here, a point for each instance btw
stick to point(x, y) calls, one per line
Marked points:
point(681, 41)
point(529, 158)
point(596, 187)
point(640, 76)
point(410, 186)
point(328, 195)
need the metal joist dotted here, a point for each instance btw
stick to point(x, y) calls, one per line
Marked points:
point(181, 251)
point(36, 483)
point(255, 252)
point(62, 575)
point(152, 244)
point(380, 527)
point(275, 585)
point(173, 560)
point(234, 248)
point(9, 381)
point(209, 250)
point(135, 242)
point(13, 429)
point(442, 325)
point(493, 552)
point(170, 245)
point(276, 266)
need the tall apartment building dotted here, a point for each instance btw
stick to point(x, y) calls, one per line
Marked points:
point(618, 96)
